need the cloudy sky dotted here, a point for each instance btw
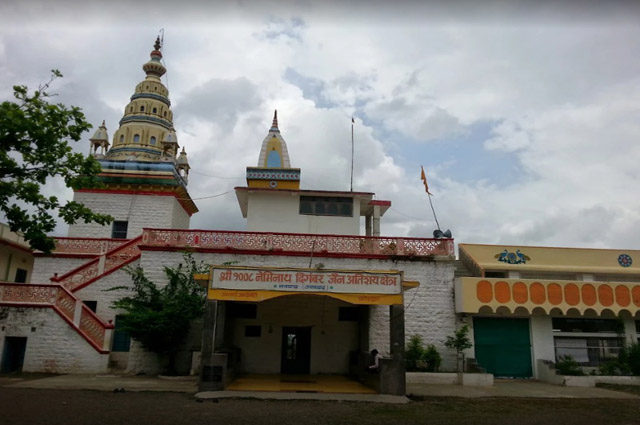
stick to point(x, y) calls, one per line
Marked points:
point(525, 115)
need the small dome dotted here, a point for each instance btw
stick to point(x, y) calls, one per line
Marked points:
point(182, 159)
point(100, 134)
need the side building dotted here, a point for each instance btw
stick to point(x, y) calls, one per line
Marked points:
point(529, 306)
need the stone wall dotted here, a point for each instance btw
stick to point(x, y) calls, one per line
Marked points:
point(53, 346)
point(139, 210)
point(45, 267)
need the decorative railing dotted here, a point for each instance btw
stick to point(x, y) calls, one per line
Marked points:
point(86, 246)
point(78, 315)
point(365, 246)
point(98, 267)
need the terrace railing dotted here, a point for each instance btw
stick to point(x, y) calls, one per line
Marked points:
point(295, 243)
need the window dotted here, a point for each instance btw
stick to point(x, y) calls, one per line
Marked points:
point(93, 305)
point(253, 331)
point(122, 138)
point(155, 110)
point(21, 276)
point(325, 205)
point(591, 342)
point(121, 338)
point(142, 109)
point(136, 138)
point(119, 229)
point(153, 140)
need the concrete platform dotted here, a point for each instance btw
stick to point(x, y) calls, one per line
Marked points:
point(283, 395)
point(501, 388)
point(514, 388)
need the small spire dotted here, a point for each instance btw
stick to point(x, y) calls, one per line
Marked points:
point(157, 44)
point(274, 125)
point(103, 124)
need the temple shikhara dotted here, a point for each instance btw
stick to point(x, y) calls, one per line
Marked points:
point(306, 290)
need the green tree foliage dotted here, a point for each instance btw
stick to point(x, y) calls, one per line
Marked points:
point(34, 136)
point(459, 341)
point(160, 317)
point(421, 359)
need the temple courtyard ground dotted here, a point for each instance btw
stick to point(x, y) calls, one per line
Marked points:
point(26, 400)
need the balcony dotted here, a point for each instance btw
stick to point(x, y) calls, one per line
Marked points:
point(296, 244)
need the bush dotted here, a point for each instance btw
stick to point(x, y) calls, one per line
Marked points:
point(420, 359)
point(431, 359)
point(566, 365)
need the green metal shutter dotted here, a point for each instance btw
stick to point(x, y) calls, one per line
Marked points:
point(503, 346)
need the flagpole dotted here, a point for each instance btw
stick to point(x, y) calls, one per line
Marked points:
point(352, 150)
point(423, 177)
point(433, 210)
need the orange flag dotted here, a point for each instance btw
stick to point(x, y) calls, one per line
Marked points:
point(424, 179)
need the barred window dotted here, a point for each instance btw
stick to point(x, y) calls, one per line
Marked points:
point(326, 205)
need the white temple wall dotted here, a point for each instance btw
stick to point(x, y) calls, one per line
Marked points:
point(52, 345)
point(139, 211)
point(266, 214)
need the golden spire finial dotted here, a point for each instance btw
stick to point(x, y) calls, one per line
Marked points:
point(274, 125)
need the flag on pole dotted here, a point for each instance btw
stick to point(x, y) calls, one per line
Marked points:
point(352, 121)
point(424, 179)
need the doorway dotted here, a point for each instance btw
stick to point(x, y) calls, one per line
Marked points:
point(296, 350)
point(13, 354)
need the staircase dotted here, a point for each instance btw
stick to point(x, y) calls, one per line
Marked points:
point(99, 267)
point(62, 301)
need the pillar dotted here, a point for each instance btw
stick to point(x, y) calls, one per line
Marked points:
point(376, 220)
point(212, 365)
point(392, 371)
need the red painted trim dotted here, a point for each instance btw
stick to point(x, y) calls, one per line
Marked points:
point(107, 273)
point(65, 255)
point(380, 203)
point(123, 246)
point(92, 239)
point(69, 273)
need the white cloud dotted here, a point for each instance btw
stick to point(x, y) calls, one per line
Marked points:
point(557, 95)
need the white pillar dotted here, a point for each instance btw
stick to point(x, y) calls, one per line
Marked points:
point(376, 220)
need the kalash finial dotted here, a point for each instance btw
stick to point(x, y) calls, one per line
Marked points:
point(157, 44)
point(274, 126)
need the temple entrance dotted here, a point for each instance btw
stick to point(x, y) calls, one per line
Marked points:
point(296, 350)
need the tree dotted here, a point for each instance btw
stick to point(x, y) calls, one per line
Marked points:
point(459, 341)
point(160, 317)
point(34, 136)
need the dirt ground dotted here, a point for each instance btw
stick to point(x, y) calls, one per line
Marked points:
point(71, 407)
